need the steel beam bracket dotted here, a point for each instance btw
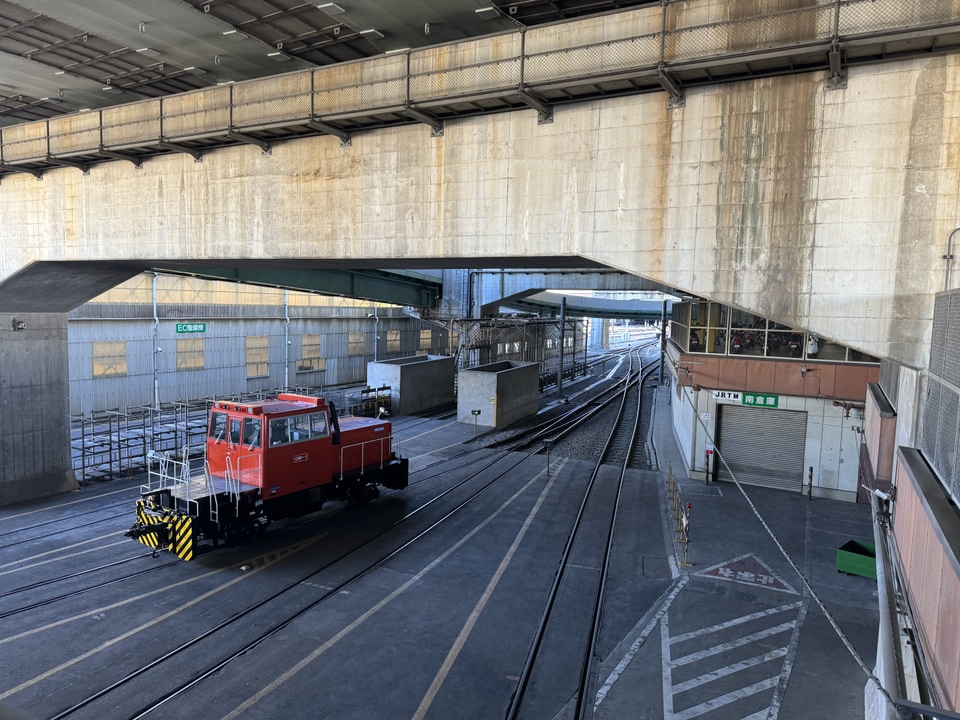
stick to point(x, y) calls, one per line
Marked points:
point(328, 129)
point(38, 174)
point(544, 110)
point(436, 125)
point(250, 140)
point(674, 93)
point(115, 155)
point(177, 147)
point(82, 167)
point(837, 79)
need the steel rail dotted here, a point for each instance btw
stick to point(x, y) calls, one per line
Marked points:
point(218, 665)
point(523, 682)
point(591, 653)
point(75, 593)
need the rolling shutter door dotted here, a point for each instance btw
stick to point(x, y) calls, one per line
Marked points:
point(762, 446)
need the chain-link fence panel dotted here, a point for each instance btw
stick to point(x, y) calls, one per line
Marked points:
point(272, 101)
point(589, 60)
point(74, 133)
point(754, 34)
point(365, 85)
point(198, 113)
point(470, 80)
point(468, 68)
point(865, 16)
point(132, 124)
point(25, 142)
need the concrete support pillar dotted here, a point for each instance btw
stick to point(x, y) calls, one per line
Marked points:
point(599, 334)
point(34, 407)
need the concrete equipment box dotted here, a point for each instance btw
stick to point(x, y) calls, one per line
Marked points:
point(503, 392)
point(419, 383)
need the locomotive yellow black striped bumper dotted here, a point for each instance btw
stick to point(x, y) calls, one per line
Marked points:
point(161, 528)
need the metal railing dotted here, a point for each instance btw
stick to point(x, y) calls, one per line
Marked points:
point(647, 41)
point(372, 449)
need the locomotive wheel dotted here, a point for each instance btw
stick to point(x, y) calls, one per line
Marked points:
point(368, 493)
point(246, 533)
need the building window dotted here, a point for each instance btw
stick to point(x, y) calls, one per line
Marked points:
point(311, 356)
point(426, 340)
point(355, 344)
point(257, 356)
point(109, 358)
point(393, 341)
point(190, 354)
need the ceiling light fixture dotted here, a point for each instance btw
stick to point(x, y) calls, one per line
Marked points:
point(330, 8)
point(234, 34)
point(371, 34)
point(487, 13)
point(278, 56)
point(148, 52)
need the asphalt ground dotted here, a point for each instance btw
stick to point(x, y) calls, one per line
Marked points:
point(738, 634)
point(720, 628)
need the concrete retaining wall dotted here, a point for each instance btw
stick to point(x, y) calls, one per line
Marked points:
point(34, 408)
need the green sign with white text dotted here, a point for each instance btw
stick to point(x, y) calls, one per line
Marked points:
point(760, 400)
point(191, 327)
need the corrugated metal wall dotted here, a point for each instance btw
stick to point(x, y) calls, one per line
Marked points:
point(229, 314)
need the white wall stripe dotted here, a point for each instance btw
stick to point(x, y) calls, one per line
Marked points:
point(774, 712)
point(667, 672)
point(739, 642)
point(625, 661)
point(735, 622)
point(718, 702)
point(730, 670)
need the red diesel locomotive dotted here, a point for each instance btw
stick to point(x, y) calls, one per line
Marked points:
point(264, 460)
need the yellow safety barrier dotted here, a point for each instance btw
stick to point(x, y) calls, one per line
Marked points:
point(161, 528)
point(680, 513)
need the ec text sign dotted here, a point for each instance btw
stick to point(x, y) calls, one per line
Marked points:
point(191, 327)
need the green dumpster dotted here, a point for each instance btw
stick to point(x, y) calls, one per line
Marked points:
point(857, 558)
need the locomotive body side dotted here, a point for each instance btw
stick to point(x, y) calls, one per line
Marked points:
point(265, 461)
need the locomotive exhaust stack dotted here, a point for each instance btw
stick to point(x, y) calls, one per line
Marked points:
point(264, 461)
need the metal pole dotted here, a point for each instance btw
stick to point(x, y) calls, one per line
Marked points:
point(286, 337)
point(584, 332)
point(563, 321)
point(663, 337)
point(156, 348)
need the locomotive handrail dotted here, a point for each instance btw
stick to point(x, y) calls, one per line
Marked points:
point(207, 478)
point(363, 448)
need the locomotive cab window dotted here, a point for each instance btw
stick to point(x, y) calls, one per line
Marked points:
point(296, 428)
point(318, 424)
point(251, 432)
point(299, 428)
point(235, 431)
point(278, 432)
point(218, 426)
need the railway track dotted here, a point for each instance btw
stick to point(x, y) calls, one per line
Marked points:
point(177, 674)
point(598, 507)
point(278, 626)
